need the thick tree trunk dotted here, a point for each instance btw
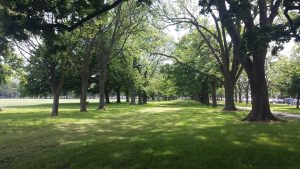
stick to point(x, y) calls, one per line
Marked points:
point(118, 91)
point(83, 92)
point(55, 102)
point(229, 96)
point(204, 99)
point(298, 98)
point(204, 94)
point(235, 94)
point(259, 90)
point(214, 94)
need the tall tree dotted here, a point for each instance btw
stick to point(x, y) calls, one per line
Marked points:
point(251, 46)
point(123, 22)
point(213, 35)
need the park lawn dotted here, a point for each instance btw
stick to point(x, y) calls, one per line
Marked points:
point(276, 108)
point(175, 134)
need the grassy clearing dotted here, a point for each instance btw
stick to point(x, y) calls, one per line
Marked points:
point(24, 102)
point(277, 108)
point(178, 134)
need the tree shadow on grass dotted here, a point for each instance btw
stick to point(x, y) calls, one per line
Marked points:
point(148, 138)
point(152, 145)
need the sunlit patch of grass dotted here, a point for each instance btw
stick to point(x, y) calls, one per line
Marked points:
point(173, 134)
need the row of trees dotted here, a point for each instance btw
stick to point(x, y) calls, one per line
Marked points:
point(68, 40)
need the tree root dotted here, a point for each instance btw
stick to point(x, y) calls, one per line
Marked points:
point(267, 117)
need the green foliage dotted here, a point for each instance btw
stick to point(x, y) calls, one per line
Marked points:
point(294, 86)
point(195, 66)
point(285, 72)
point(10, 65)
point(10, 89)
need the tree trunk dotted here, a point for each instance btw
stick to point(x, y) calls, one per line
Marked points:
point(132, 95)
point(214, 94)
point(101, 95)
point(145, 97)
point(118, 91)
point(229, 96)
point(204, 95)
point(153, 97)
point(235, 94)
point(106, 93)
point(102, 82)
point(259, 90)
point(83, 92)
point(55, 103)
point(140, 97)
point(240, 93)
point(56, 87)
point(127, 95)
point(204, 99)
point(247, 94)
point(298, 98)
point(158, 97)
point(85, 74)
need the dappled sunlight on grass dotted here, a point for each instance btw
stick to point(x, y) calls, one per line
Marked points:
point(173, 134)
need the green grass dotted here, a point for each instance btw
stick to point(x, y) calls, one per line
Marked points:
point(277, 108)
point(24, 102)
point(178, 134)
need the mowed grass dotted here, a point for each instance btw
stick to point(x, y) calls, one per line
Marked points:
point(175, 134)
point(277, 108)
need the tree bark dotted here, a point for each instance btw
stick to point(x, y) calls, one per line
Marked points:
point(118, 91)
point(127, 95)
point(106, 93)
point(145, 97)
point(229, 96)
point(56, 87)
point(140, 97)
point(83, 92)
point(235, 94)
point(259, 89)
point(204, 98)
point(55, 103)
point(240, 93)
point(132, 95)
point(204, 94)
point(214, 94)
point(102, 82)
point(247, 93)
